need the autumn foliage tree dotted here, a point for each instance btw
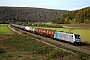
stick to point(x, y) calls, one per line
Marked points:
point(77, 16)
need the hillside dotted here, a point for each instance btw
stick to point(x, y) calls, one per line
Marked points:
point(25, 14)
point(76, 16)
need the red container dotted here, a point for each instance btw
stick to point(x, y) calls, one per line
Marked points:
point(45, 32)
point(51, 33)
point(37, 30)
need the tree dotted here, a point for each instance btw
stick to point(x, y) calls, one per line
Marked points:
point(87, 21)
point(67, 20)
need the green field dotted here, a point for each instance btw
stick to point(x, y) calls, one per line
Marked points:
point(4, 28)
point(85, 33)
point(48, 23)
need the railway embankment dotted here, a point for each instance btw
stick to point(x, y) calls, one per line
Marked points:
point(75, 48)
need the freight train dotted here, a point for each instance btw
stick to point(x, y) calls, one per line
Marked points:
point(64, 36)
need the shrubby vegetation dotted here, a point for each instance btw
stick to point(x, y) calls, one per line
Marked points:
point(45, 25)
point(23, 47)
point(77, 16)
point(40, 24)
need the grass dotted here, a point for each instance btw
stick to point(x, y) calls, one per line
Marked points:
point(17, 47)
point(81, 25)
point(4, 28)
point(85, 33)
point(48, 23)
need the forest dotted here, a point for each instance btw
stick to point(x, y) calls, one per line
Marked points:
point(28, 14)
point(74, 17)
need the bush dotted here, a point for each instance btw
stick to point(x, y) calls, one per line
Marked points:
point(87, 21)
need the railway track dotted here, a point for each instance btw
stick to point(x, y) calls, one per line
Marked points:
point(76, 48)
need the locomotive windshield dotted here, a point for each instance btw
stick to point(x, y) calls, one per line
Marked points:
point(77, 36)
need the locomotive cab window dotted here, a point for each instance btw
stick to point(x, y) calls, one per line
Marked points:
point(77, 36)
point(72, 36)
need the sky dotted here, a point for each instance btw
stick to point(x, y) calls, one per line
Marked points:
point(50, 4)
